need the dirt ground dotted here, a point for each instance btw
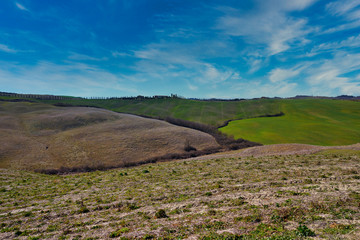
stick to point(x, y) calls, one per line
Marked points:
point(269, 192)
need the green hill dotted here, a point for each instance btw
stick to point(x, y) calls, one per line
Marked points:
point(311, 121)
point(214, 113)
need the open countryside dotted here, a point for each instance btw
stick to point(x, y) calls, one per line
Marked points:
point(180, 119)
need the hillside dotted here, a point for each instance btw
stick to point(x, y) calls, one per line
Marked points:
point(253, 195)
point(37, 136)
point(310, 121)
point(302, 120)
point(214, 113)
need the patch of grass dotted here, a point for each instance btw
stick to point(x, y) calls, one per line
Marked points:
point(118, 233)
point(304, 231)
point(335, 229)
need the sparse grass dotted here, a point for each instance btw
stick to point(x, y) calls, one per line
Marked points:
point(55, 139)
point(209, 198)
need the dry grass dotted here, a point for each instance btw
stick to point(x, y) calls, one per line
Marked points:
point(280, 149)
point(266, 197)
point(38, 136)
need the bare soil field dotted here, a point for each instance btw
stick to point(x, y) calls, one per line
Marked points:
point(37, 136)
point(285, 196)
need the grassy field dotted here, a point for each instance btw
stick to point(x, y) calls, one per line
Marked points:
point(270, 197)
point(36, 136)
point(310, 121)
point(208, 112)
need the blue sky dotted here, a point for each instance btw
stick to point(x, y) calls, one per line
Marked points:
point(201, 48)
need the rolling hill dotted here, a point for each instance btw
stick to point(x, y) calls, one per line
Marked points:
point(320, 121)
point(36, 136)
point(310, 121)
point(212, 112)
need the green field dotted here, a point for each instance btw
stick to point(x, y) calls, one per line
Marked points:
point(311, 121)
point(208, 112)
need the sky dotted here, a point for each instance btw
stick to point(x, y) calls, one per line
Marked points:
point(196, 49)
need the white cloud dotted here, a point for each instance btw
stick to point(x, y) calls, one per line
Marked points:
point(346, 26)
point(259, 88)
point(268, 24)
point(279, 75)
point(175, 61)
point(210, 74)
point(342, 7)
point(348, 10)
point(334, 75)
point(72, 78)
point(167, 53)
point(119, 54)
point(255, 64)
point(350, 42)
point(81, 57)
point(192, 87)
point(294, 5)
point(6, 48)
point(21, 7)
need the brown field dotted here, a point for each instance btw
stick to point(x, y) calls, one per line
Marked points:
point(38, 136)
point(258, 196)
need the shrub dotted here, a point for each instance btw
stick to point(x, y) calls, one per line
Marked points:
point(304, 231)
point(117, 233)
point(114, 234)
point(132, 206)
point(161, 214)
point(188, 147)
point(83, 209)
point(28, 214)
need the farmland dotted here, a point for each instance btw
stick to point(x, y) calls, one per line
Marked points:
point(282, 191)
point(36, 136)
point(214, 113)
point(245, 196)
point(311, 121)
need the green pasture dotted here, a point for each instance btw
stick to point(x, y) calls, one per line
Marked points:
point(207, 112)
point(310, 121)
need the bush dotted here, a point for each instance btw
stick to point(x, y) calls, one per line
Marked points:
point(188, 147)
point(161, 214)
point(304, 231)
point(83, 209)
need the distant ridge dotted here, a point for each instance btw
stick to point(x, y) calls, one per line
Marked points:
point(139, 97)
